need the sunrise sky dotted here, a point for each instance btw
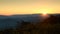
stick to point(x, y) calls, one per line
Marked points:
point(9, 7)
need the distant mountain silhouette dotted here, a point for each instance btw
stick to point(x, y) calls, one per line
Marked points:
point(10, 21)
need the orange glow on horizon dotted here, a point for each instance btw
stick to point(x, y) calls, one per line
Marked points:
point(10, 7)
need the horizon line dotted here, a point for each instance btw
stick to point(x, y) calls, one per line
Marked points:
point(25, 14)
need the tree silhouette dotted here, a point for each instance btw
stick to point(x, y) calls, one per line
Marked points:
point(26, 27)
point(52, 20)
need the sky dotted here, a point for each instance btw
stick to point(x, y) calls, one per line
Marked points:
point(9, 7)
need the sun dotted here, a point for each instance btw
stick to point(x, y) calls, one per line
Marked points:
point(44, 14)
